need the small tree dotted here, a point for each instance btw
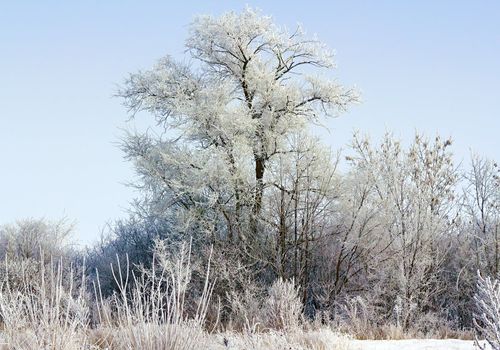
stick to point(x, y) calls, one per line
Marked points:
point(482, 211)
point(414, 191)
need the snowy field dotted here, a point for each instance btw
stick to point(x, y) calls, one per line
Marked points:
point(412, 344)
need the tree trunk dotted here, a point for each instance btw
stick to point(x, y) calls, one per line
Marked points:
point(260, 164)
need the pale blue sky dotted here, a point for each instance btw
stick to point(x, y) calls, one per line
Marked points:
point(426, 65)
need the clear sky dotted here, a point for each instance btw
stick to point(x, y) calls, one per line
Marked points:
point(421, 65)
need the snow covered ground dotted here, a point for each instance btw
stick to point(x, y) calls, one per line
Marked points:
point(413, 344)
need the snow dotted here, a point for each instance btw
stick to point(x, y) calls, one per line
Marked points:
point(413, 344)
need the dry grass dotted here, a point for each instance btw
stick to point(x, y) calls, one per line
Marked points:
point(50, 313)
point(392, 332)
point(149, 312)
point(282, 307)
point(358, 321)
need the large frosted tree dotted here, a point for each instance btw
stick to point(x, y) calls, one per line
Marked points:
point(250, 86)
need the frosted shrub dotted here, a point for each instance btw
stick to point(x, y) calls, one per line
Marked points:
point(283, 306)
point(14, 273)
point(253, 311)
point(246, 309)
point(357, 317)
point(28, 244)
point(35, 239)
point(487, 315)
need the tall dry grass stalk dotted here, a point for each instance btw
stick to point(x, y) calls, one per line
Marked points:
point(45, 311)
point(149, 310)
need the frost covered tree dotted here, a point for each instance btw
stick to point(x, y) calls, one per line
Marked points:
point(482, 212)
point(357, 249)
point(229, 114)
point(301, 205)
point(415, 191)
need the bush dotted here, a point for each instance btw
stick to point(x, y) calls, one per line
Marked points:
point(29, 239)
point(283, 306)
point(132, 239)
point(487, 315)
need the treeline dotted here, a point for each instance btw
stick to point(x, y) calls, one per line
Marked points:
point(393, 242)
point(396, 240)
